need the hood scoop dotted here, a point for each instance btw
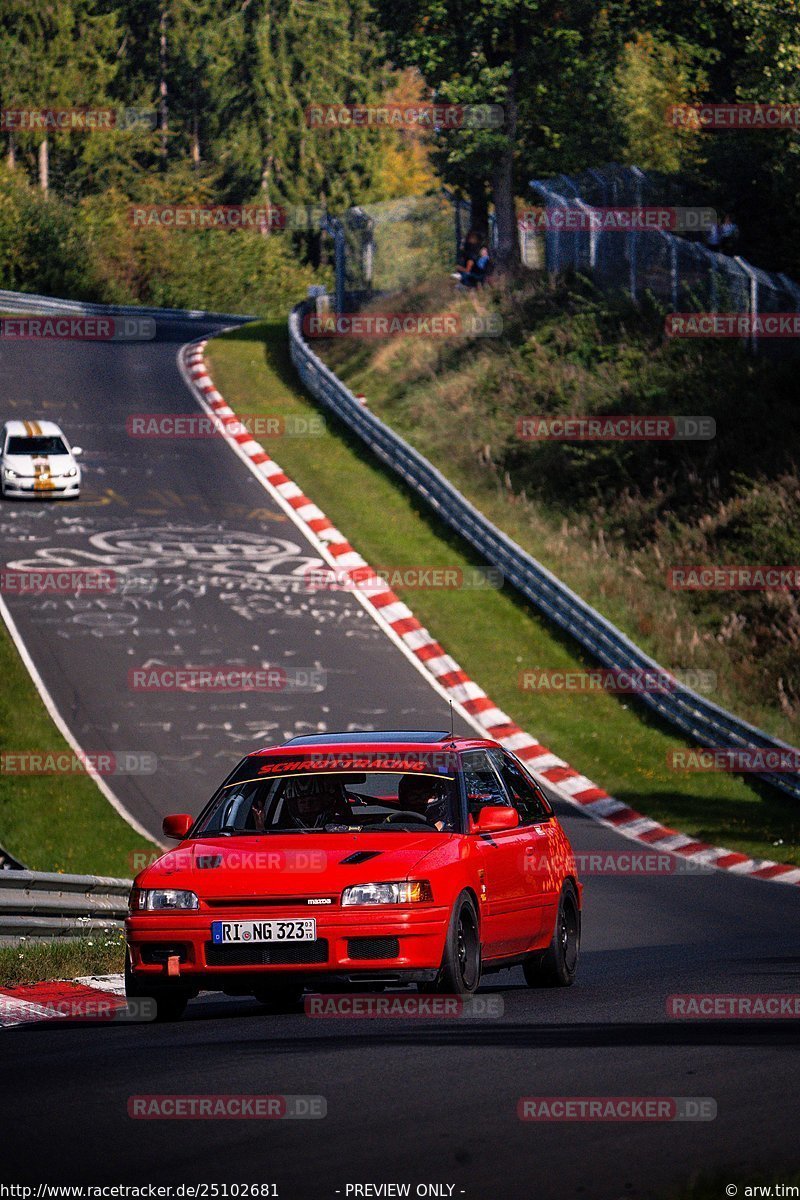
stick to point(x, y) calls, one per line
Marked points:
point(206, 862)
point(360, 856)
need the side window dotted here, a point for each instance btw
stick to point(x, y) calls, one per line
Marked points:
point(524, 796)
point(481, 781)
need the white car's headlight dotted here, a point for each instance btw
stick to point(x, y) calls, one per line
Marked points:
point(70, 473)
point(161, 900)
point(9, 474)
point(416, 891)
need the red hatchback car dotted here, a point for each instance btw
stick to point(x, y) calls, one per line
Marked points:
point(371, 859)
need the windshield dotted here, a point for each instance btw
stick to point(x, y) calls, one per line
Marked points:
point(299, 795)
point(36, 445)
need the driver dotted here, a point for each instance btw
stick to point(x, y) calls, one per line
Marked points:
point(427, 797)
point(313, 803)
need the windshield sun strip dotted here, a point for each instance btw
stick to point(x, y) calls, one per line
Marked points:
point(317, 774)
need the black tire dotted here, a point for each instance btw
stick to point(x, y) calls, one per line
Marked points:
point(170, 1000)
point(557, 965)
point(280, 997)
point(460, 972)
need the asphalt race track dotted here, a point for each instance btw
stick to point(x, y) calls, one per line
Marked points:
point(408, 1101)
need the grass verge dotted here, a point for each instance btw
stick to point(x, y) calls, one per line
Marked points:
point(63, 958)
point(491, 633)
point(53, 822)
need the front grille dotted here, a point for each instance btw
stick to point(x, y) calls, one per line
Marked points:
point(263, 954)
point(373, 947)
point(158, 952)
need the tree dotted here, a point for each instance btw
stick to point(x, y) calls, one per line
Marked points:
point(523, 55)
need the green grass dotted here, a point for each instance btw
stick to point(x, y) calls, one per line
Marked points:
point(49, 822)
point(64, 958)
point(493, 634)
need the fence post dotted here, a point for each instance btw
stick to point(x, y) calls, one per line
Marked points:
point(634, 237)
point(748, 270)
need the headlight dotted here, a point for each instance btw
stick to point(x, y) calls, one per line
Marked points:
point(416, 891)
point(9, 474)
point(161, 900)
point(70, 473)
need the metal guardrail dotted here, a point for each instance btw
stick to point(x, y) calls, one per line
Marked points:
point(41, 904)
point(25, 302)
point(702, 721)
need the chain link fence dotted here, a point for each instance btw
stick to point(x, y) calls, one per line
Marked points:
point(388, 246)
point(680, 273)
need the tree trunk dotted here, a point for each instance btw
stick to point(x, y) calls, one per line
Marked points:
point(162, 71)
point(266, 175)
point(507, 251)
point(11, 157)
point(479, 207)
point(195, 147)
point(44, 166)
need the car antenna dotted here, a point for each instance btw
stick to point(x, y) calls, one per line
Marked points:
point(452, 730)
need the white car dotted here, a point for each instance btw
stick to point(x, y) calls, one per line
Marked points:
point(36, 462)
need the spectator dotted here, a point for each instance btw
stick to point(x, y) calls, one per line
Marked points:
point(722, 236)
point(475, 271)
point(729, 234)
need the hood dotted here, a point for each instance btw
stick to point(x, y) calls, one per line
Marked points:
point(290, 865)
point(31, 464)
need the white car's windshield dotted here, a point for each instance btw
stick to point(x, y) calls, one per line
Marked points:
point(43, 445)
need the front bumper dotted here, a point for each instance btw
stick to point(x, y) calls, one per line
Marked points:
point(23, 488)
point(351, 946)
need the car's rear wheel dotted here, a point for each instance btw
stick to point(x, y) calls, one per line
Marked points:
point(460, 972)
point(170, 1000)
point(279, 997)
point(557, 965)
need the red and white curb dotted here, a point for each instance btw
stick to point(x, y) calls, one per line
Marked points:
point(394, 616)
point(91, 998)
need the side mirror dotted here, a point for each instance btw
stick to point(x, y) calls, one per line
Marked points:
point(496, 817)
point(177, 825)
point(77, 451)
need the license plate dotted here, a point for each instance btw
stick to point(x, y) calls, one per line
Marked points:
point(43, 485)
point(304, 930)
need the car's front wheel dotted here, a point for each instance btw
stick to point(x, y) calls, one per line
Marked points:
point(169, 1001)
point(460, 972)
point(556, 966)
